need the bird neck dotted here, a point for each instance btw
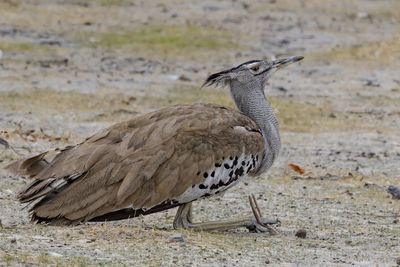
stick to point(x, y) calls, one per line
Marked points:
point(250, 99)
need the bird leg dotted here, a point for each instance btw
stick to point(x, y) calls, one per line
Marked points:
point(183, 219)
point(257, 214)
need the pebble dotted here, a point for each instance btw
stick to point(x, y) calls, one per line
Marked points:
point(363, 15)
point(55, 254)
point(281, 88)
point(371, 83)
point(172, 77)
point(398, 261)
point(184, 78)
point(301, 233)
point(179, 237)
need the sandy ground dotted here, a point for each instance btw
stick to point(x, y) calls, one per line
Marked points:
point(70, 68)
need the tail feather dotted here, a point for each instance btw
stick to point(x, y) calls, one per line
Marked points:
point(40, 188)
point(33, 166)
point(29, 167)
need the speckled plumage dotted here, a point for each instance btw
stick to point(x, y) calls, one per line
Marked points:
point(222, 176)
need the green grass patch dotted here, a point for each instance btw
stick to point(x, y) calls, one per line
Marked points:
point(114, 2)
point(23, 47)
point(160, 40)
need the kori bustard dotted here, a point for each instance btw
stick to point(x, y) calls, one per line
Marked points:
point(161, 160)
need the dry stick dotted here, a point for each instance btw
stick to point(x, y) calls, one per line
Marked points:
point(7, 146)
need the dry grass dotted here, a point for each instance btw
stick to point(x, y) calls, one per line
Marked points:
point(45, 259)
point(43, 101)
point(385, 52)
point(294, 114)
point(7, 46)
point(340, 7)
point(9, 5)
point(108, 3)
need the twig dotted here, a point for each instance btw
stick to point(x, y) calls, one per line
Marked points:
point(7, 146)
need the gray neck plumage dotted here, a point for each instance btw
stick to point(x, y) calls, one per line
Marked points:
point(250, 99)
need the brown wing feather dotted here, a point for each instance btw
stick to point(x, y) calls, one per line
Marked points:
point(143, 162)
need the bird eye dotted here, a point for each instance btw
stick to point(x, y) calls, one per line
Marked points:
point(255, 68)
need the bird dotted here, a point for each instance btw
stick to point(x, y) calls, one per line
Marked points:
point(164, 159)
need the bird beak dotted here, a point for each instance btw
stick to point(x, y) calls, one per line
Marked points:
point(281, 63)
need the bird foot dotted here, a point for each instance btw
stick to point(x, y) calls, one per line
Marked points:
point(255, 223)
point(259, 224)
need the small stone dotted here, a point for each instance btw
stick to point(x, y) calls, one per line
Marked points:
point(13, 240)
point(371, 83)
point(281, 88)
point(398, 261)
point(301, 233)
point(267, 261)
point(178, 237)
point(184, 78)
point(363, 15)
point(55, 254)
point(245, 5)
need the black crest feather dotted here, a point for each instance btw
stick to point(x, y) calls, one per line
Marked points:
point(216, 78)
point(221, 78)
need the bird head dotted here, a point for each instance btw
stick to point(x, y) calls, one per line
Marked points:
point(251, 71)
